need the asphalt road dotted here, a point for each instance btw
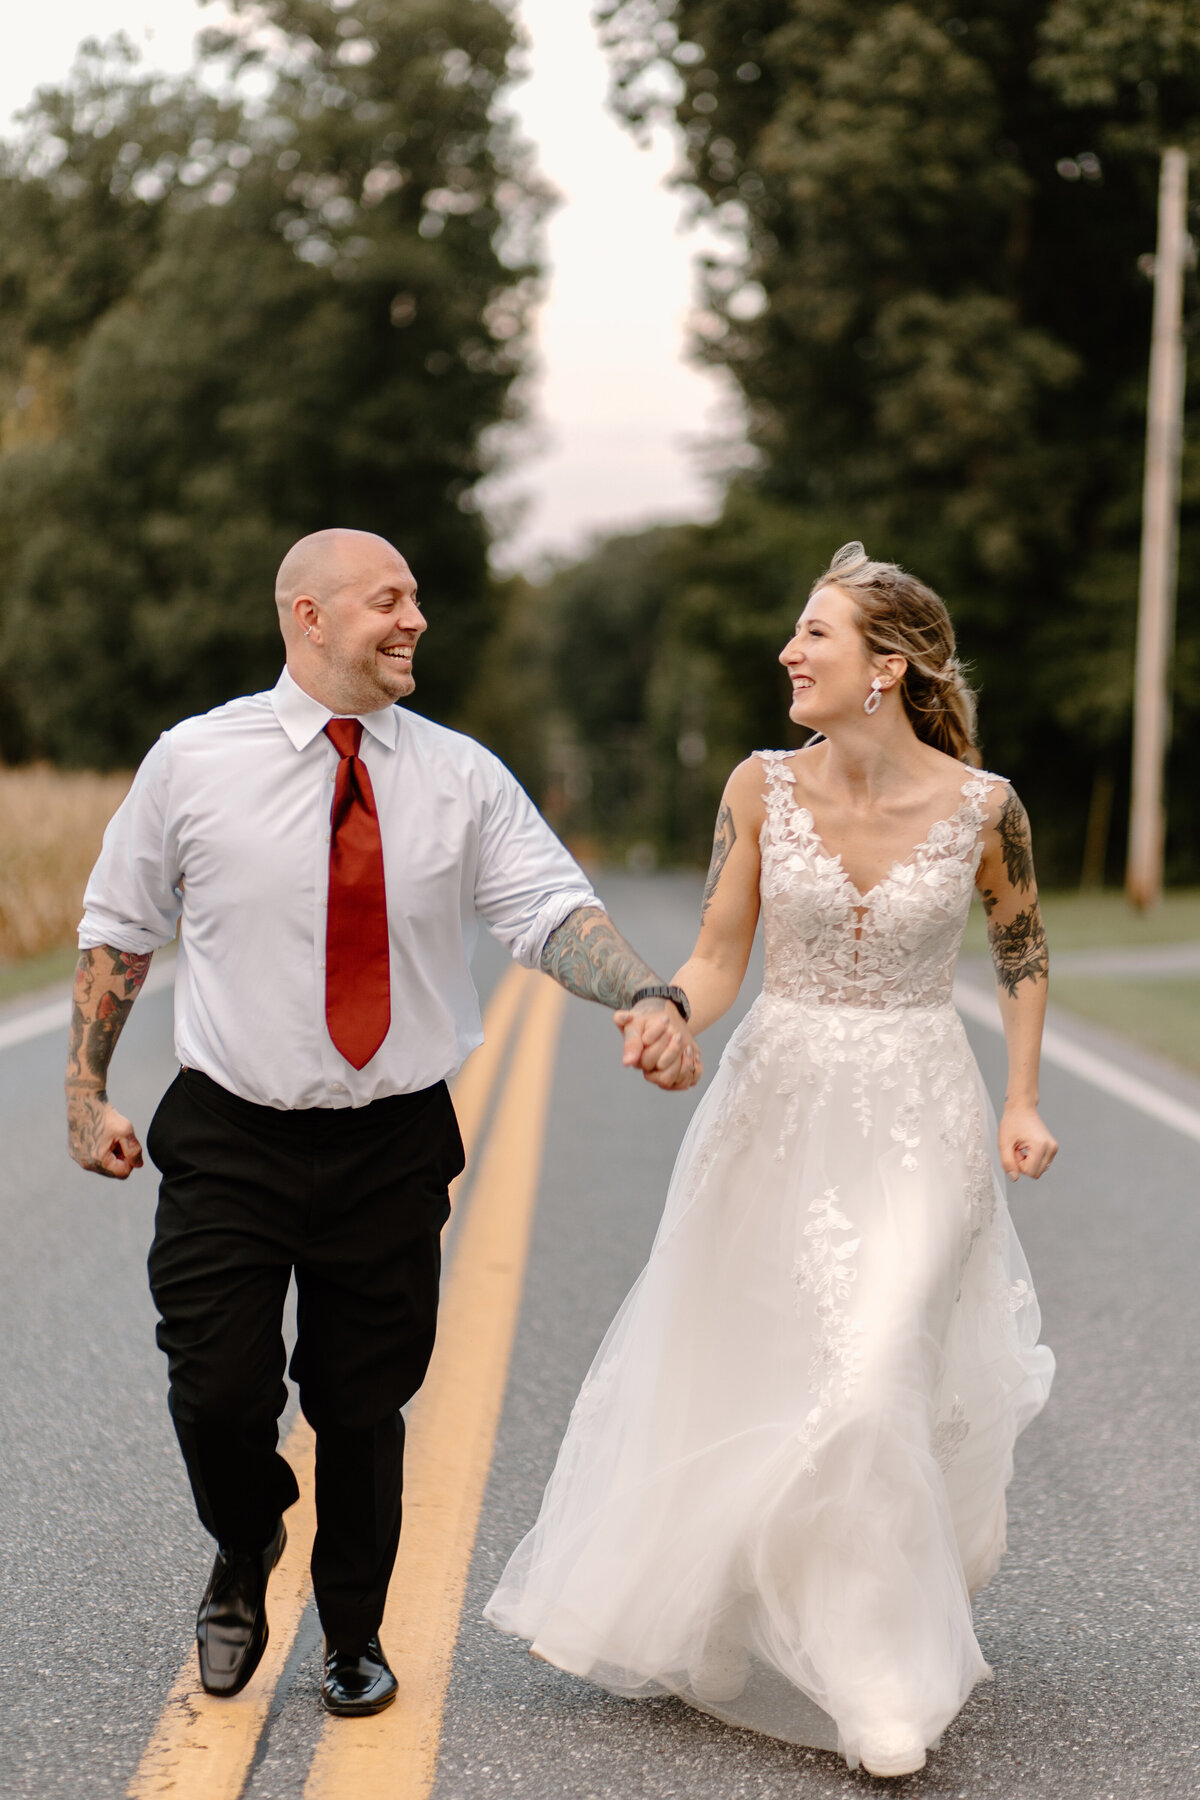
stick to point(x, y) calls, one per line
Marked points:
point(1090, 1626)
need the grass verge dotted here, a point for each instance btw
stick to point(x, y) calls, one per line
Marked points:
point(37, 972)
point(1163, 1016)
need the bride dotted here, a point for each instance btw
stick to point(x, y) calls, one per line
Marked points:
point(784, 1476)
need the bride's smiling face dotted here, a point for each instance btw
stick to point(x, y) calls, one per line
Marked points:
point(828, 661)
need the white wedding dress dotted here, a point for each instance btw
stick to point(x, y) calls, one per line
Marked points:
point(785, 1474)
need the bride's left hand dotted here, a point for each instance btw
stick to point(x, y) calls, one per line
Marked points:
point(659, 1044)
point(1026, 1147)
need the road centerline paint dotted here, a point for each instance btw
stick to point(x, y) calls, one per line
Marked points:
point(205, 1747)
point(451, 1436)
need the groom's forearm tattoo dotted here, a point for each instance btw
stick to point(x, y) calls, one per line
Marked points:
point(107, 982)
point(588, 956)
point(1019, 950)
point(1012, 828)
point(724, 838)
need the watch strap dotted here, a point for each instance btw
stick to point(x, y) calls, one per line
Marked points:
point(675, 994)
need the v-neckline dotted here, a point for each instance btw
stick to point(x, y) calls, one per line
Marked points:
point(862, 900)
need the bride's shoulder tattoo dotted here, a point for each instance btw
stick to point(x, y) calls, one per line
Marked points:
point(724, 838)
point(1016, 847)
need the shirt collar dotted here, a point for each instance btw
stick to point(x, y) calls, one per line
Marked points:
point(303, 718)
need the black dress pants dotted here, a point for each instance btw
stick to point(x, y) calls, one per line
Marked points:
point(354, 1200)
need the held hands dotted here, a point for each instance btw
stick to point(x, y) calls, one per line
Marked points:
point(99, 1138)
point(659, 1044)
point(1026, 1147)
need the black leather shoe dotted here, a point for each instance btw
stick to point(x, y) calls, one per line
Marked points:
point(231, 1625)
point(357, 1683)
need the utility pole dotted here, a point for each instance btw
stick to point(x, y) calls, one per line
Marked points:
point(1160, 535)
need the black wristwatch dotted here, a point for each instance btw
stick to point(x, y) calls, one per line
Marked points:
point(674, 994)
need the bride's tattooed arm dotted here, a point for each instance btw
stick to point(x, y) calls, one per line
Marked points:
point(724, 838)
point(1008, 888)
point(1019, 951)
point(1015, 931)
point(107, 982)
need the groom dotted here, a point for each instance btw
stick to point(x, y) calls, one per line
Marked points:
point(330, 857)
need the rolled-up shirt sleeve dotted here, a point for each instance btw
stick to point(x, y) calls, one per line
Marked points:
point(526, 881)
point(133, 896)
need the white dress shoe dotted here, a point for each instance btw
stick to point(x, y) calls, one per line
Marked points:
point(890, 1750)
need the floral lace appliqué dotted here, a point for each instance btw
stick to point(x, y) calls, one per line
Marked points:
point(894, 946)
point(827, 1273)
point(950, 1433)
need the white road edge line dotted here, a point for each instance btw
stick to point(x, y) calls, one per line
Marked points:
point(55, 1015)
point(1109, 1077)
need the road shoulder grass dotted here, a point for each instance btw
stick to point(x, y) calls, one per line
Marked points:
point(33, 973)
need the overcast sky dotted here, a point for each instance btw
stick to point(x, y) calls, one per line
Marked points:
point(617, 411)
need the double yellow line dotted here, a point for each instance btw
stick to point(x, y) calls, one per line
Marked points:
point(206, 1747)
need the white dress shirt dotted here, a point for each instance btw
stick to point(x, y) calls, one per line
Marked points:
point(227, 827)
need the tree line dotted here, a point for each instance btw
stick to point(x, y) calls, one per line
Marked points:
point(289, 290)
point(937, 310)
point(229, 313)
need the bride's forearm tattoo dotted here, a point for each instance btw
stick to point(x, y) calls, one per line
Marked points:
point(588, 956)
point(724, 838)
point(107, 982)
point(1012, 828)
point(1019, 951)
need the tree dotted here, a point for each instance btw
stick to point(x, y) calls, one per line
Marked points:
point(231, 318)
point(934, 307)
point(662, 649)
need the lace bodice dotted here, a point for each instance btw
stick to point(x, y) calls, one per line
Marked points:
point(894, 946)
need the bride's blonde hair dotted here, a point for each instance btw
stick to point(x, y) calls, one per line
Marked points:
point(899, 616)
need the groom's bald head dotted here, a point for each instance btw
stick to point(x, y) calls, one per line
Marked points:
point(325, 563)
point(347, 604)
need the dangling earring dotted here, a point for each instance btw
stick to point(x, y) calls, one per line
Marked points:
point(874, 699)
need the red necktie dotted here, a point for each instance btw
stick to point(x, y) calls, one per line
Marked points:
point(358, 1004)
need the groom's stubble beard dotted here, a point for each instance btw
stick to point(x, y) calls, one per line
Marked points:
point(358, 684)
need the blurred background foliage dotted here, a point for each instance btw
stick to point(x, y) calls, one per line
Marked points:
point(224, 322)
point(938, 313)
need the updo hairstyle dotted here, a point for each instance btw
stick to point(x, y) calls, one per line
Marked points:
point(899, 616)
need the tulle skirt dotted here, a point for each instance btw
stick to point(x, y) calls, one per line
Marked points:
point(784, 1476)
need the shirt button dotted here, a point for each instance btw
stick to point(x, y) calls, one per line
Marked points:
point(339, 1087)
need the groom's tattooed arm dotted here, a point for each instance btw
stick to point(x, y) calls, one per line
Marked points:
point(107, 982)
point(588, 956)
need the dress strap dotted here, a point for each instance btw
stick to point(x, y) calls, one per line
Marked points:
point(775, 767)
point(977, 788)
point(977, 793)
point(780, 787)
